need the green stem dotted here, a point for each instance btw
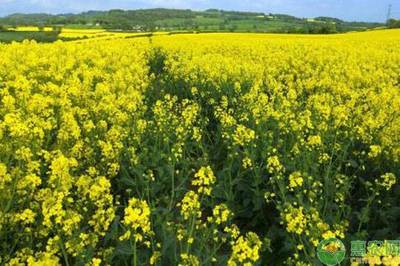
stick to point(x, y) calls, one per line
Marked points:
point(369, 202)
point(193, 221)
point(64, 253)
point(134, 254)
point(171, 204)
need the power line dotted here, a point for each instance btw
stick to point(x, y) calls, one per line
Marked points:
point(389, 14)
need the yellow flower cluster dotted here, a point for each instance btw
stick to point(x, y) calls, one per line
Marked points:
point(65, 110)
point(190, 205)
point(245, 250)
point(221, 214)
point(204, 179)
point(243, 135)
point(387, 181)
point(296, 221)
point(274, 165)
point(295, 180)
point(189, 260)
point(137, 221)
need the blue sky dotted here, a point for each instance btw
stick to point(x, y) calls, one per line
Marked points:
point(362, 10)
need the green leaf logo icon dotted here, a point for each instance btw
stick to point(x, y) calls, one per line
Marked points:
point(331, 251)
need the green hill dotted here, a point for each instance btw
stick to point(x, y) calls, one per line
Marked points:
point(177, 19)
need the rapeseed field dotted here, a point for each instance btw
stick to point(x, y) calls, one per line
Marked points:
point(198, 149)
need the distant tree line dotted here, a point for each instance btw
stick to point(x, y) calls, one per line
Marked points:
point(393, 23)
point(112, 19)
point(311, 28)
point(149, 20)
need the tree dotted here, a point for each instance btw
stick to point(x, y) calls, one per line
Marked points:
point(328, 28)
point(233, 28)
point(57, 29)
point(393, 23)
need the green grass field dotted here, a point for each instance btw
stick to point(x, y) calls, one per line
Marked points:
point(18, 36)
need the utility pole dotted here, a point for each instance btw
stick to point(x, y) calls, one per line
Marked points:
point(389, 14)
